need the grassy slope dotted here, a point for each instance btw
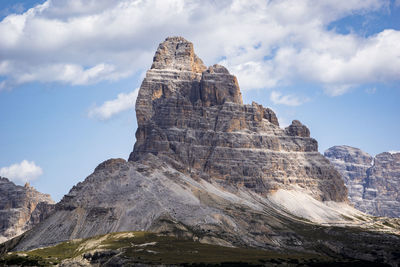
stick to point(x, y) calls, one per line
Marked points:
point(151, 248)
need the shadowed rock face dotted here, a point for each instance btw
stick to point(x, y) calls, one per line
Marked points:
point(21, 207)
point(193, 118)
point(373, 182)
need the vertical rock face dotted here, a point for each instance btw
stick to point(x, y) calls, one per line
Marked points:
point(21, 207)
point(373, 182)
point(381, 190)
point(193, 117)
point(353, 164)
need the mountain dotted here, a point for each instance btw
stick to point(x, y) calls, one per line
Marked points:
point(208, 168)
point(21, 207)
point(193, 118)
point(373, 182)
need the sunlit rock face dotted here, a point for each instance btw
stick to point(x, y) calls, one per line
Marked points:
point(194, 118)
point(21, 207)
point(373, 182)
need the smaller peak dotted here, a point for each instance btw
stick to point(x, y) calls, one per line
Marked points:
point(296, 123)
point(297, 129)
point(346, 149)
point(4, 179)
point(110, 164)
point(389, 154)
point(216, 68)
point(348, 154)
point(27, 185)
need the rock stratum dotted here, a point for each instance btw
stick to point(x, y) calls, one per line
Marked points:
point(208, 168)
point(373, 182)
point(21, 207)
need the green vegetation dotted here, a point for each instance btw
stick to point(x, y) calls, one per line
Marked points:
point(144, 247)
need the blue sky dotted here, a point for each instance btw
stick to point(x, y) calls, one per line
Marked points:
point(69, 70)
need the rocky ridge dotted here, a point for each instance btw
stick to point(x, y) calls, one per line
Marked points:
point(208, 168)
point(372, 182)
point(21, 207)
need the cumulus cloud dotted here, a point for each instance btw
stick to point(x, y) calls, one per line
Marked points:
point(274, 43)
point(289, 100)
point(113, 107)
point(22, 172)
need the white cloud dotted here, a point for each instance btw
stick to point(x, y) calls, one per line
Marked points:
point(289, 100)
point(264, 43)
point(113, 107)
point(22, 172)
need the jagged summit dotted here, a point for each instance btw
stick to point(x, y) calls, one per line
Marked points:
point(176, 53)
point(21, 207)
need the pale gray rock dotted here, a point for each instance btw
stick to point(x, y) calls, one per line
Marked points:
point(21, 207)
point(381, 190)
point(373, 182)
point(353, 164)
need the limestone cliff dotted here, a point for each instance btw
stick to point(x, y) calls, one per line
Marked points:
point(21, 207)
point(373, 182)
point(193, 118)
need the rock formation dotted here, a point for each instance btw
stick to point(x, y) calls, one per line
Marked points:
point(193, 118)
point(373, 182)
point(353, 164)
point(21, 207)
point(209, 168)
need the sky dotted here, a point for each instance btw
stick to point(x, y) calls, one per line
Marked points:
point(70, 73)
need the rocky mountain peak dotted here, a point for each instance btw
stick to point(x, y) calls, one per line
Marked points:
point(110, 164)
point(297, 129)
point(21, 207)
point(349, 154)
point(176, 53)
point(372, 182)
point(194, 118)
